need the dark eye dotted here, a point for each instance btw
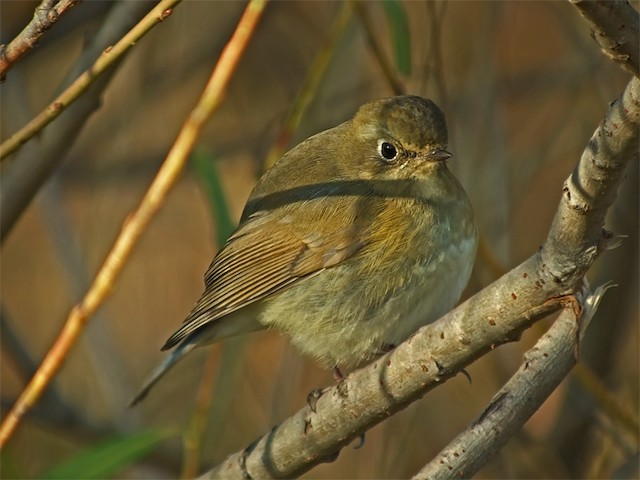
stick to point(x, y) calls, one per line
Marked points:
point(388, 151)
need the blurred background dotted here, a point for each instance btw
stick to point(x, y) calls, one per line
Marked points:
point(523, 86)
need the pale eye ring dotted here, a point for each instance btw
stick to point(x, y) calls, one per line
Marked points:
point(388, 151)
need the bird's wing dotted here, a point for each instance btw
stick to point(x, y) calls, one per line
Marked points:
point(266, 255)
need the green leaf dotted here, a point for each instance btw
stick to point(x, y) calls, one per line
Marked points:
point(206, 169)
point(108, 458)
point(400, 35)
point(8, 466)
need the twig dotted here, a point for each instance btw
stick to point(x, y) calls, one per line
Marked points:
point(544, 367)
point(110, 55)
point(21, 179)
point(616, 28)
point(496, 315)
point(136, 223)
point(36, 161)
point(44, 17)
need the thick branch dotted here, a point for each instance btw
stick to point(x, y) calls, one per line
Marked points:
point(496, 315)
point(576, 236)
point(45, 15)
point(615, 26)
point(544, 367)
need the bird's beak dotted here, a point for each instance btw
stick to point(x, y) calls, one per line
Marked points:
point(438, 155)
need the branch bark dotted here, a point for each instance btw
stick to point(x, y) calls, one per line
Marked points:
point(615, 26)
point(543, 369)
point(496, 315)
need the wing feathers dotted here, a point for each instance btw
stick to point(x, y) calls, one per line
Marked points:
point(253, 265)
point(245, 250)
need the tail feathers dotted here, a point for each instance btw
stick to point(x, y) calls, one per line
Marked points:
point(169, 361)
point(193, 335)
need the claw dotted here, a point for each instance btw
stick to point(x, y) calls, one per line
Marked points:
point(313, 397)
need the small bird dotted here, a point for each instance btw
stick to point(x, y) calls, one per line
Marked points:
point(353, 240)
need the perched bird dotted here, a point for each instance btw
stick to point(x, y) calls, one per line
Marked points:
point(353, 240)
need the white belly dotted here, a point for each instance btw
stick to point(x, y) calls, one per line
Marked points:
point(432, 299)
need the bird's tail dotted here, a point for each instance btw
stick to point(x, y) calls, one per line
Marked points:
point(169, 361)
point(208, 330)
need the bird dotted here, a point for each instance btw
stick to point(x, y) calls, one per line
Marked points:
point(351, 242)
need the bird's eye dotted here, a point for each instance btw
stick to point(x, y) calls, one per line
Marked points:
point(388, 151)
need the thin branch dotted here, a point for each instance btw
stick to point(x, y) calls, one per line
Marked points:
point(44, 17)
point(616, 28)
point(108, 57)
point(30, 168)
point(543, 369)
point(136, 223)
point(496, 315)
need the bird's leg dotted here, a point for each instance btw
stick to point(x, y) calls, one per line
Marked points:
point(314, 396)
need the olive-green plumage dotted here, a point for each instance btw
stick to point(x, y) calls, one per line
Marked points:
point(352, 241)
